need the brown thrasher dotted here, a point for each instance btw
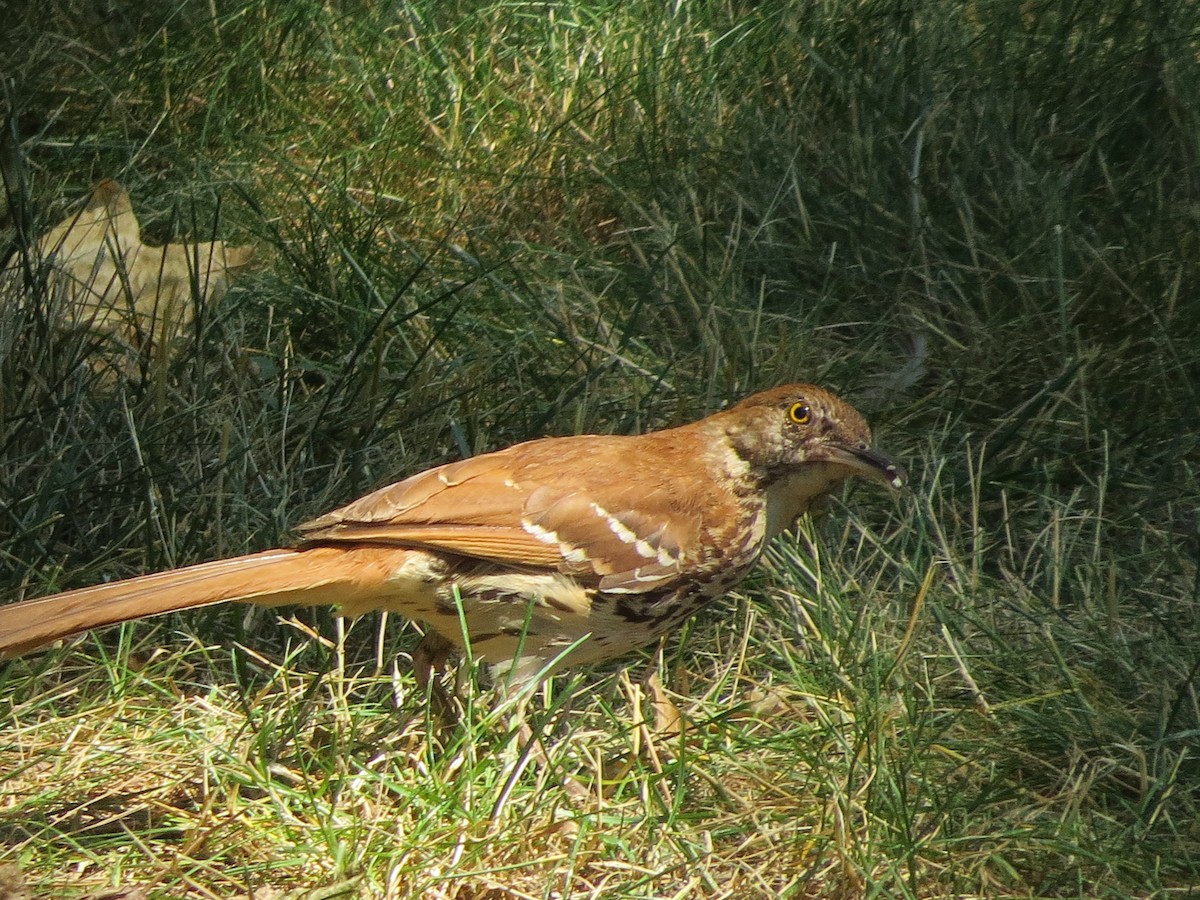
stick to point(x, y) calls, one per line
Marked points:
point(554, 552)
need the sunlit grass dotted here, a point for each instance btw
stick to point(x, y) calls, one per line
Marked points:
point(481, 222)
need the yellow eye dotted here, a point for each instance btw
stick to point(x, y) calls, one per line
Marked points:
point(800, 413)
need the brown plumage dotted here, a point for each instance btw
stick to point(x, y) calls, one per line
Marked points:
point(553, 552)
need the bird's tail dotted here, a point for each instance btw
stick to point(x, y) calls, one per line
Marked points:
point(360, 577)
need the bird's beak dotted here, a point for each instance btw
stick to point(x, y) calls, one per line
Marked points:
point(866, 461)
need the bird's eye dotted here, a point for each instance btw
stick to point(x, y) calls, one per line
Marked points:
point(800, 413)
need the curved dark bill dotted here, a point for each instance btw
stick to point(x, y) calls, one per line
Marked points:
point(870, 462)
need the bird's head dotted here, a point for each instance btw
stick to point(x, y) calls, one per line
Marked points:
point(801, 425)
point(800, 442)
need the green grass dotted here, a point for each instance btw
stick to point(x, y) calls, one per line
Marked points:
point(481, 222)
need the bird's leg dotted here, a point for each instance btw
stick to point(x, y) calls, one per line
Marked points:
point(514, 686)
point(430, 659)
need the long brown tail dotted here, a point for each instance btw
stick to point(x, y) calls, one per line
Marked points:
point(359, 577)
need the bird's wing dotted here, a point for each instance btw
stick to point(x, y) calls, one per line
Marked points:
point(617, 522)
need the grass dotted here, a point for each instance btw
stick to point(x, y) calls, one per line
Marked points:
point(480, 222)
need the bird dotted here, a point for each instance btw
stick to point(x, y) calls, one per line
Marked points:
point(556, 552)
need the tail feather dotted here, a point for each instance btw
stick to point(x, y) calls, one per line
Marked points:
point(357, 576)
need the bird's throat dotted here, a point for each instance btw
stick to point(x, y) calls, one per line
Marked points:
point(790, 497)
